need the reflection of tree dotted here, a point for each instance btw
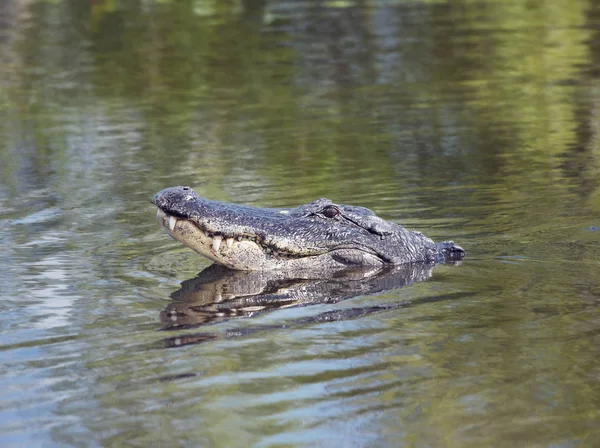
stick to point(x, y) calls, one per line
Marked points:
point(580, 158)
point(411, 94)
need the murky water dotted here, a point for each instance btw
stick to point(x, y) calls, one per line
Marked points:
point(472, 121)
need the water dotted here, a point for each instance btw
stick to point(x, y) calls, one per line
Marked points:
point(471, 121)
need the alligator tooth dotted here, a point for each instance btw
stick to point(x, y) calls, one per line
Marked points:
point(229, 242)
point(172, 222)
point(217, 243)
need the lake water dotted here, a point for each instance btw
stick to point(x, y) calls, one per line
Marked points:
point(475, 121)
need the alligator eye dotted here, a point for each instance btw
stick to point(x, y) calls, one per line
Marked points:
point(330, 211)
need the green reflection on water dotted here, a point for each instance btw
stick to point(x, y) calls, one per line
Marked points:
point(494, 92)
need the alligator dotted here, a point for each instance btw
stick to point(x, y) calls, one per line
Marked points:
point(319, 235)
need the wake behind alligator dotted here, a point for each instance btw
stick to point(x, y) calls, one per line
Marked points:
point(319, 235)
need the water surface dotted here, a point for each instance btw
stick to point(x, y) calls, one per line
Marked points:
point(468, 120)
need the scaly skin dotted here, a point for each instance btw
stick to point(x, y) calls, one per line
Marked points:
point(320, 235)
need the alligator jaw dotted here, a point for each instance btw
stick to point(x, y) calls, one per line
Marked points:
point(227, 251)
point(249, 253)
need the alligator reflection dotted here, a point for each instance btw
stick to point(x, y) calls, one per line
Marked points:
point(219, 294)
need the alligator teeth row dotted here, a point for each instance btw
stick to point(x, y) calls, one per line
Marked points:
point(218, 239)
point(217, 242)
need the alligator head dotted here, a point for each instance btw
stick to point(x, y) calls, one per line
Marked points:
point(320, 235)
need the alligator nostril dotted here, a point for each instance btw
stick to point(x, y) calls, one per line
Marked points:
point(186, 188)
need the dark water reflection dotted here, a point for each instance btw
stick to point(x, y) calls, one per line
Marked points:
point(218, 294)
point(472, 121)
